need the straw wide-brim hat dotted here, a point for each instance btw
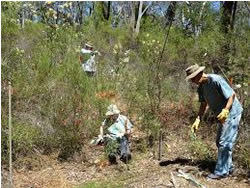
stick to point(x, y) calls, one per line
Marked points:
point(193, 71)
point(112, 109)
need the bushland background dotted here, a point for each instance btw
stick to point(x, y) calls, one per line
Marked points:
point(145, 47)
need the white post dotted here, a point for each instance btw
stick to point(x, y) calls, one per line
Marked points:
point(22, 18)
point(10, 139)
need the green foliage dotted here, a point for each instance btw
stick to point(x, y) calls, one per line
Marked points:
point(4, 146)
point(68, 141)
point(25, 138)
point(141, 146)
point(199, 149)
point(242, 153)
point(245, 156)
point(154, 127)
point(111, 147)
point(41, 59)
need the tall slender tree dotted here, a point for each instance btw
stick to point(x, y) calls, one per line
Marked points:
point(227, 25)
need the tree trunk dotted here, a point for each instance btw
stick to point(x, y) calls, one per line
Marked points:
point(170, 13)
point(80, 17)
point(233, 16)
point(98, 14)
point(134, 14)
point(91, 9)
point(228, 15)
point(57, 15)
point(140, 14)
point(109, 5)
point(198, 25)
point(227, 25)
point(106, 9)
point(138, 23)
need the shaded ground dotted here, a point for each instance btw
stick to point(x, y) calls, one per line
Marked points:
point(144, 171)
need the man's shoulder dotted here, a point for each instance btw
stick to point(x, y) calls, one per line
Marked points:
point(215, 77)
point(122, 116)
point(219, 81)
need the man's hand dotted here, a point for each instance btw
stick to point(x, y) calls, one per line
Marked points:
point(97, 52)
point(100, 136)
point(120, 134)
point(223, 115)
point(195, 125)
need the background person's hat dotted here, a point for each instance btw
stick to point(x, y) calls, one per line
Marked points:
point(112, 109)
point(89, 45)
point(193, 71)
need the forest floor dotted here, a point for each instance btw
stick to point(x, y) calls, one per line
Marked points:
point(144, 170)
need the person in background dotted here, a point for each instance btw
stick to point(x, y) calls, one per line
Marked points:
point(215, 92)
point(87, 59)
point(119, 128)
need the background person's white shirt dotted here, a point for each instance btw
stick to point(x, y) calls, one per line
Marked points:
point(90, 64)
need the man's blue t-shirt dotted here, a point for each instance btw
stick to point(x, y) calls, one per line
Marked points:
point(216, 92)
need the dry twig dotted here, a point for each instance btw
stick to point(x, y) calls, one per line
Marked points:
point(190, 178)
point(173, 180)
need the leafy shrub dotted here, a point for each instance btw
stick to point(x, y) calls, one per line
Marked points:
point(245, 158)
point(25, 138)
point(199, 149)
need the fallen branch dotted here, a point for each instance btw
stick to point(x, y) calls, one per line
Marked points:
point(173, 181)
point(190, 178)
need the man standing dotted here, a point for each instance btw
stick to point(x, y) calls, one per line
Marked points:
point(216, 93)
point(87, 59)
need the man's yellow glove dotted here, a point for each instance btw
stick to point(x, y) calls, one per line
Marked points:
point(195, 125)
point(223, 115)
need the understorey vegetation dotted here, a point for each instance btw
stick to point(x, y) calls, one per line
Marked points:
point(57, 108)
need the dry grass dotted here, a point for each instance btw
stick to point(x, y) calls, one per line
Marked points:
point(144, 170)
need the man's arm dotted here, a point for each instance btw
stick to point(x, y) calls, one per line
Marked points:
point(85, 51)
point(196, 123)
point(229, 94)
point(225, 111)
point(101, 130)
point(97, 52)
point(202, 109)
point(230, 102)
point(128, 130)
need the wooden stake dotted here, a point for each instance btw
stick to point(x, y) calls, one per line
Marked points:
point(160, 145)
point(10, 140)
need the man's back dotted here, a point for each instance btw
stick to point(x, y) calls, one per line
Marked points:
point(216, 92)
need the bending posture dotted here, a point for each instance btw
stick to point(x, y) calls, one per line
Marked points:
point(216, 93)
point(87, 59)
point(119, 128)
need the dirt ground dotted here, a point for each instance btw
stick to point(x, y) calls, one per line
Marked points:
point(145, 170)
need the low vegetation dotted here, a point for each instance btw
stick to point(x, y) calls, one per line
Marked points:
point(57, 108)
